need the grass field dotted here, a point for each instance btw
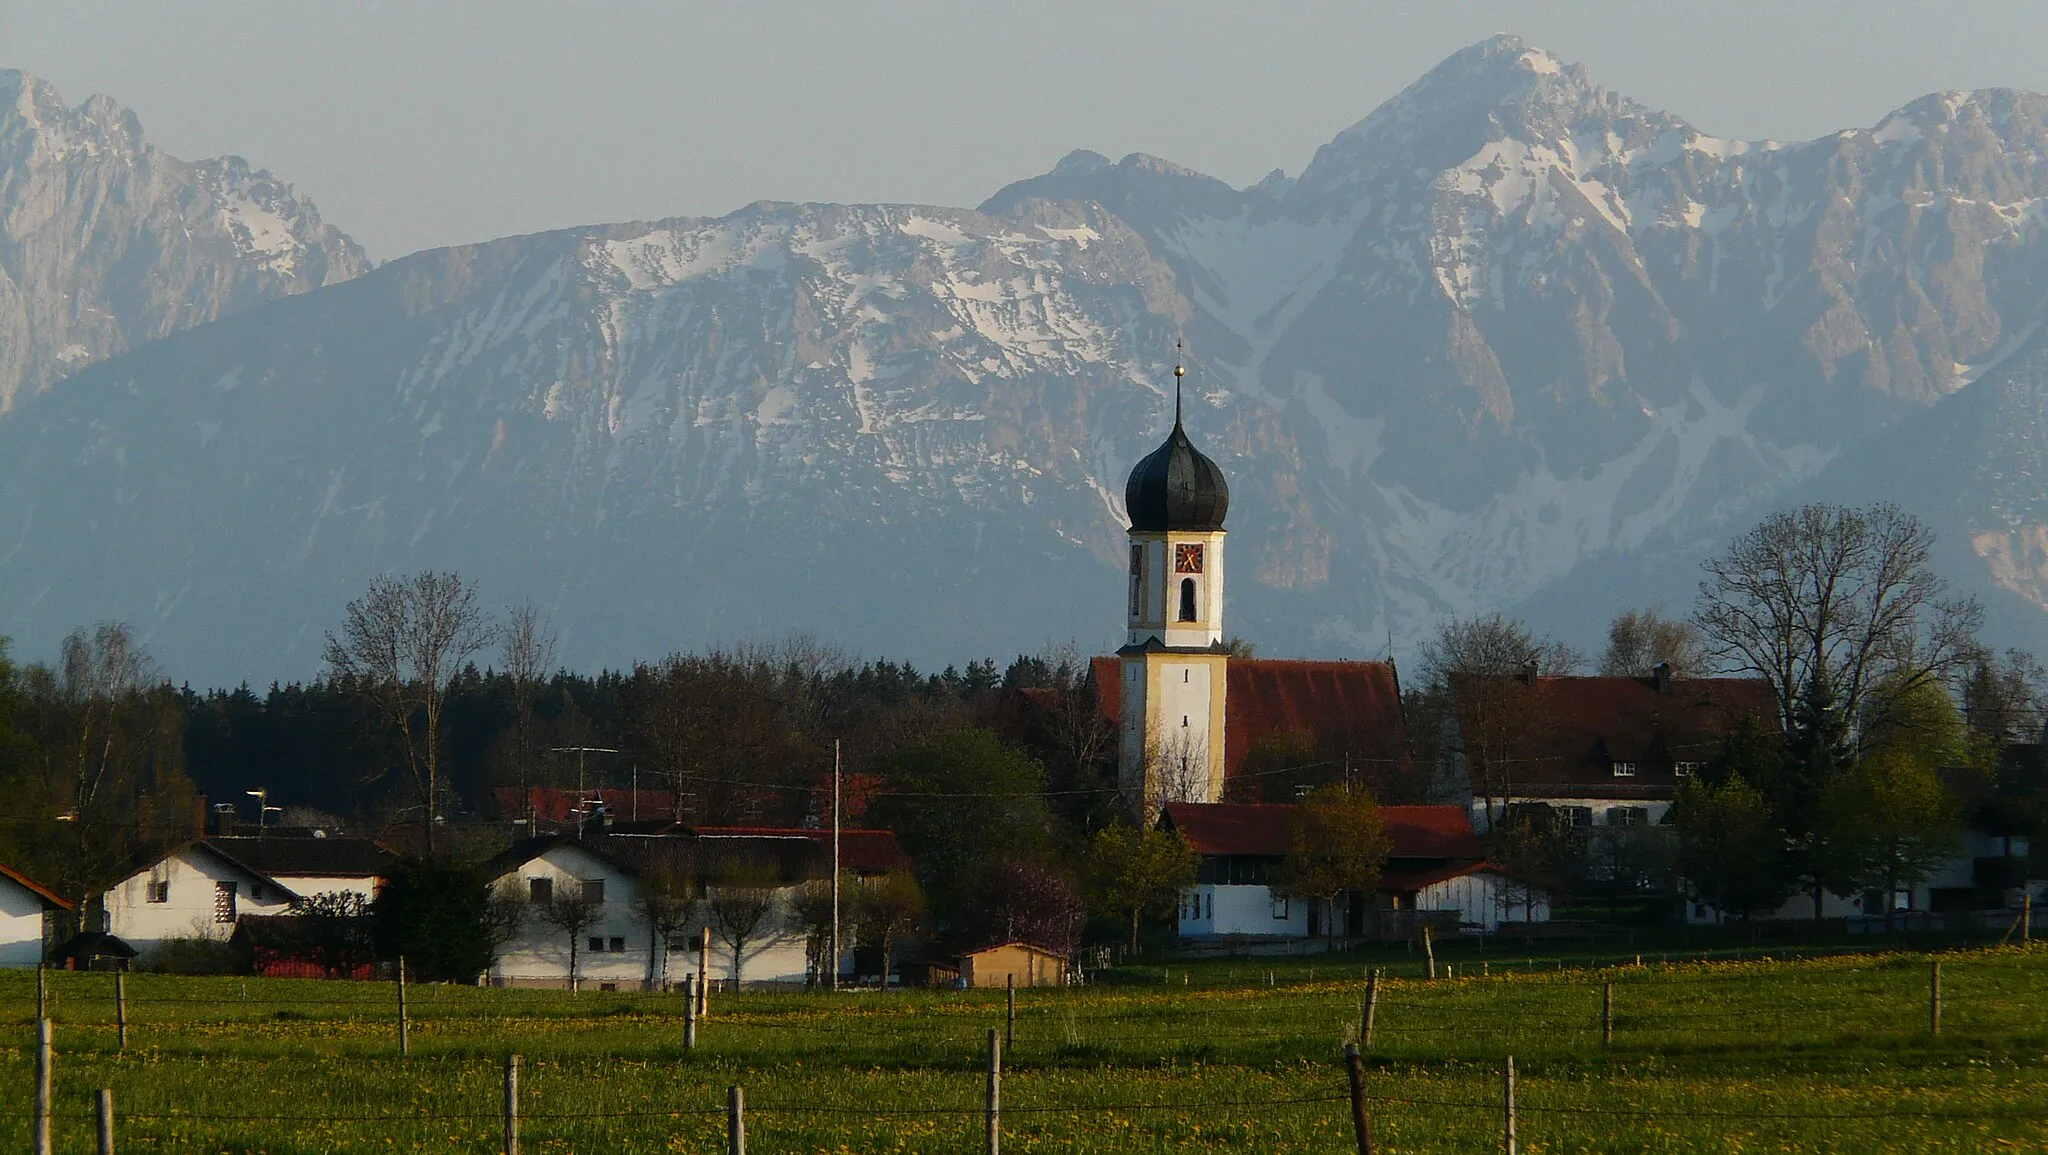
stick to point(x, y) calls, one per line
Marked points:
point(1830, 1054)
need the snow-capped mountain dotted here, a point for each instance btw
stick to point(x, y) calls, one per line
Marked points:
point(107, 243)
point(1506, 338)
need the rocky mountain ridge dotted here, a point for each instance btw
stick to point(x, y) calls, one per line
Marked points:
point(108, 243)
point(1507, 336)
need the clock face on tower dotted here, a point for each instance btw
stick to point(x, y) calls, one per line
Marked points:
point(1187, 559)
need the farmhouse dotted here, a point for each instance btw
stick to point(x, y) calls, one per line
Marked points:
point(197, 890)
point(25, 909)
point(740, 881)
point(1436, 867)
point(1596, 751)
point(311, 864)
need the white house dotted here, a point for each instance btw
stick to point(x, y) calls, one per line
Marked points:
point(313, 863)
point(1436, 865)
point(1982, 882)
point(25, 909)
point(619, 949)
point(196, 891)
point(1596, 751)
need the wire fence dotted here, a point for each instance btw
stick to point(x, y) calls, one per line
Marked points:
point(1411, 1023)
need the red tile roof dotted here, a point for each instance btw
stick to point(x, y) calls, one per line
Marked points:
point(1576, 728)
point(1355, 706)
point(554, 805)
point(1262, 829)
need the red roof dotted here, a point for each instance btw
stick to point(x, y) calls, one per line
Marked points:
point(1570, 730)
point(554, 805)
point(34, 887)
point(1262, 829)
point(1355, 706)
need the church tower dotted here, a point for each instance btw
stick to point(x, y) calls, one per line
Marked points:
point(1173, 661)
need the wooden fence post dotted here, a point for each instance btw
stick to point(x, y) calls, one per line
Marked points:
point(511, 1105)
point(1361, 1125)
point(103, 1103)
point(1509, 1090)
point(1607, 1015)
point(704, 973)
point(42, 993)
point(1372, 1006)
point(404, 1033)
point(2026, 916)
point(1429, 948)
point(994, 1144)
point(689, 1012)
point(121, 1008)
point(1934, 998)
point(1010, 1012)
point(41, 1124)
point(735, 1121)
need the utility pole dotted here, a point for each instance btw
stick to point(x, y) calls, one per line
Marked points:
point(835, 876)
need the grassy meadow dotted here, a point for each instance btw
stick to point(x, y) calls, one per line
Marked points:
point(1825, 1055)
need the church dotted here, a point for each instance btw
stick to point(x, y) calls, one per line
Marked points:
point(1187, 711)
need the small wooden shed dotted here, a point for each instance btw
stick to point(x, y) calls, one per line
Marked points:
point(1030, 965)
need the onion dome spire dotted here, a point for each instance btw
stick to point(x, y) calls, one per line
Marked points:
point(1176, 487)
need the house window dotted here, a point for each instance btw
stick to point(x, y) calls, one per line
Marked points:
point(618, 945)
point(1280, 908)
point(1624, 769)
point(1628, 816)
point(593, 891)
point(160, 890)
point(1576, 817)
point(1686, 769)
point(540, 890)
point(1187, 599)
point(1212, 904)
point(1902, 900)
point(596, 944)
point(223, 902)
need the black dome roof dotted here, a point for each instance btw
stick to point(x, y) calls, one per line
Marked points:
point(1176, 488)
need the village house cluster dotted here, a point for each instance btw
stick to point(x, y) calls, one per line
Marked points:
point(585, 896)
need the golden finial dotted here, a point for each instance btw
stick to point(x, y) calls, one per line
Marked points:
point(1179, 371)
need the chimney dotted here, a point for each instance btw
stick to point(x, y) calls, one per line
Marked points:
point(1529, 671)
point(1662, 677)
point(223, 819)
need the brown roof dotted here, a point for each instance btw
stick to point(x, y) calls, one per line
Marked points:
point(1355, 706)
point(290, 857)
point(50, 897)
point(1261, 829)
point(1568, 731)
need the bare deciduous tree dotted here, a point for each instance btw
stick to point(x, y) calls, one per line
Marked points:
point(572, 913)
point(400, 645)
point(1839, 599)
point(529, 653)
point(1476, 707)
point(885, 910)
point(1640, 640)
point(741, 909)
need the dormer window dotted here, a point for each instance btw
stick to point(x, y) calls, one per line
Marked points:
point(1624, 769)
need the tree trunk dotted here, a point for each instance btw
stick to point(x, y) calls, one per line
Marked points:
point(574, 935)
point(1134, 930)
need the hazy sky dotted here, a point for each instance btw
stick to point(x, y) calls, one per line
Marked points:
point(416, 124)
